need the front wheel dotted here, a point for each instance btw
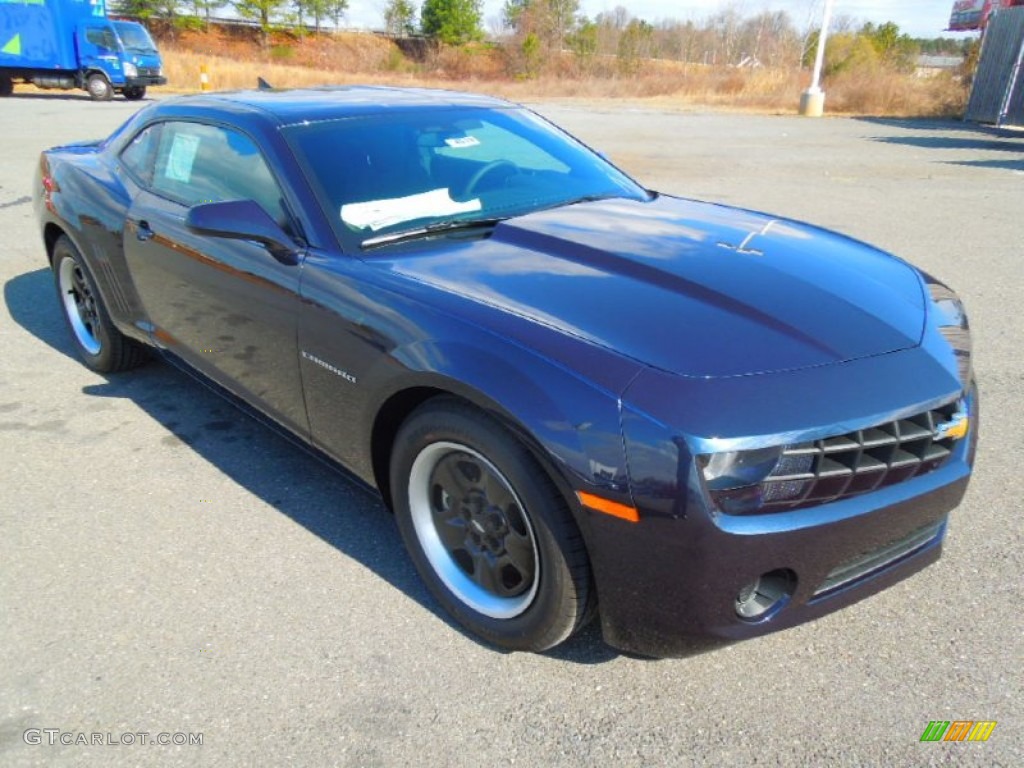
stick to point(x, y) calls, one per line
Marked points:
point(100, 345)
point(135, 92)
point(6, 85)
point(487, 529)
point(99, 88)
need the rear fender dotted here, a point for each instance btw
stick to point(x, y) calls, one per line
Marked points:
point(87, 212)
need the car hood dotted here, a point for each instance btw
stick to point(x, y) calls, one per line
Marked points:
point(688, 287)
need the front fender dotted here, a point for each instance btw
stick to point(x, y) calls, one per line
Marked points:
point(109, 68)
point(567, 421)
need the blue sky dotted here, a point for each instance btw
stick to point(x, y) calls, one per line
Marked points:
point(919, 18)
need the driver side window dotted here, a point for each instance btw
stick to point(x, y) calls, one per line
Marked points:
point(198, 163)
point(102, 38)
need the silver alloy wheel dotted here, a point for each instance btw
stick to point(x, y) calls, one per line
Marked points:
point(473, 530)
point(79, 305)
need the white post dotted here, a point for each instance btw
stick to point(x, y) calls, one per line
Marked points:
point(812, 101)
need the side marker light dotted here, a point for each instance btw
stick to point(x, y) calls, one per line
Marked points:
point(608, 507)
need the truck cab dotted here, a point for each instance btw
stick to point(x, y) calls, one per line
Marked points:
point(123, 53)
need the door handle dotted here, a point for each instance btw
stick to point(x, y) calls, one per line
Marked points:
point(142, 231)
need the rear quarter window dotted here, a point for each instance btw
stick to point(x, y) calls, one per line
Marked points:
point(138, 157)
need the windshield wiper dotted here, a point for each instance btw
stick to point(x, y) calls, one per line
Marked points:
point(428, 230)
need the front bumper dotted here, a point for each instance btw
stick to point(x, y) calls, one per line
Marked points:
point(668, 585)
point(144, 80)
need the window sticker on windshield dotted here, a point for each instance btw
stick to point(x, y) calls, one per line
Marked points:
point(377, 214)
point(181, 157)
point(461, 142)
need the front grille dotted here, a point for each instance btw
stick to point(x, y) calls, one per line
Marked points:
point(858, 462)
point(863, 565)
point(149, 71)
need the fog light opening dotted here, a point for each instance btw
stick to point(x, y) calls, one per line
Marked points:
point(765, 595)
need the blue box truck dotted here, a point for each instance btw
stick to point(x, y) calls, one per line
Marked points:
point(72, 44)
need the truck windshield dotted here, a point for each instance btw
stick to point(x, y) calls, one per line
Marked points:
point(134, 37)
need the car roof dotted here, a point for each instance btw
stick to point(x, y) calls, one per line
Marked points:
point(289, 106)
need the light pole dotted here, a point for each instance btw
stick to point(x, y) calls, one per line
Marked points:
point(812, 101)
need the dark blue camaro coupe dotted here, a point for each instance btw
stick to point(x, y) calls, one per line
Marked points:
point(579, 397)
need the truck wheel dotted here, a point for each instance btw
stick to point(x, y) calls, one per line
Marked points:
point(6, 85)
point(135, 93)
point(99, 88)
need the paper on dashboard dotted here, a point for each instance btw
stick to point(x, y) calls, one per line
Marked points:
point(378, 214)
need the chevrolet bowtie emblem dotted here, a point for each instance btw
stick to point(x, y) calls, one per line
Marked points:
point(954, 429)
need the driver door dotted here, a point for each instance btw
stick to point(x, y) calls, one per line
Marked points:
point(227, 308)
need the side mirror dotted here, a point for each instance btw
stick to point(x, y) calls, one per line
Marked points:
point(242, 220)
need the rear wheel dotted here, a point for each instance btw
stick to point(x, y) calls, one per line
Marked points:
point(487, 530)
point(134, 93)
point(6, 85)
point(100, 345)
point(99, 87)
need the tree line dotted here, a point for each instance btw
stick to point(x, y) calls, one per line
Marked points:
point(266, 12)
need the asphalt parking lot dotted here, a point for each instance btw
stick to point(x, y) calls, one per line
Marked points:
point(169, 566)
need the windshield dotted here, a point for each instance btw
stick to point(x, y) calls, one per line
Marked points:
point(424, 168)
point(134, 37)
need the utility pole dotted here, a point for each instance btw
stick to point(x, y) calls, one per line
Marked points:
point(812, 101)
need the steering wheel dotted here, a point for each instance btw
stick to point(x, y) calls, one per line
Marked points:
point(478, 176)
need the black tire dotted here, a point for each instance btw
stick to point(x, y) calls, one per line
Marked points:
point(99, 87)
point(135, 93)
point(512, 567)
point(101, 346)
point(6, 86)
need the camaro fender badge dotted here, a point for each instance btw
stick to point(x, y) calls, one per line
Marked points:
point(954, 429)
point(333, 369)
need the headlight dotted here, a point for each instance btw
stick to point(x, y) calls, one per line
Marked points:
point(735, 479)
point(951, 320)
point(737, 469)
point(130, 70)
